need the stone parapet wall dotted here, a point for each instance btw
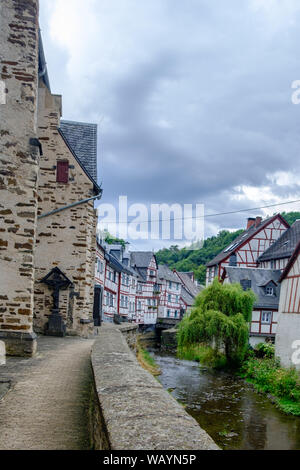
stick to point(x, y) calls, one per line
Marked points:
point(131, 410)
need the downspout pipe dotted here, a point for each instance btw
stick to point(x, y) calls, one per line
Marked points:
point(75, 204)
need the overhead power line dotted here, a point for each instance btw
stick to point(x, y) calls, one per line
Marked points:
point(206, 216)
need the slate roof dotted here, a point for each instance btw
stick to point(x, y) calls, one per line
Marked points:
point(285, 246)
point(189, 285)
point(241, 239)
point(187, 298)
point(259, 278)
point(43, 71)
point(291, 262)
point(141, 259)
point(82, 138)
point(164, 272)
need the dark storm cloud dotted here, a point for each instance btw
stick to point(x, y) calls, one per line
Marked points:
point(193, 99)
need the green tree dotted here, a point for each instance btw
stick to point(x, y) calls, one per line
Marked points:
point(220, 318)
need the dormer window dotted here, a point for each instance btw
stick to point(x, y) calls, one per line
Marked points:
point(270, 291)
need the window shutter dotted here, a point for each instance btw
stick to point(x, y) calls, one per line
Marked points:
point(62, 175)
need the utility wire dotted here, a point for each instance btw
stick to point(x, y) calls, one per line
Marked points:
point(206, 216)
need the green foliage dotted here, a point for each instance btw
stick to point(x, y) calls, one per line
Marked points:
point(265, 350)
point(230, 299)
point(269, 377)
point(291, 217)
point(220, 318)
point(203, 354)
point(195, 258)
point(110, 240)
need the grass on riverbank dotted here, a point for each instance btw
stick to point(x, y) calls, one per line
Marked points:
point(203, 354)
point(265, 374)
point(282, 384)
point(147, 361)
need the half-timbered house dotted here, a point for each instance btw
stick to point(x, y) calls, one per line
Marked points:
point(279, 254)
point(266, 287)
point(147, 297)
point(245, 250)
point(169, 299)
point(287, 343)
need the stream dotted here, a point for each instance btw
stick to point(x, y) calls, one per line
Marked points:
point(229, 410)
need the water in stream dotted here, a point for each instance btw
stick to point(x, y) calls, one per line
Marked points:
point(234, 415)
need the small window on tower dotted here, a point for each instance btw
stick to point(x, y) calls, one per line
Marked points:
point(62, 173)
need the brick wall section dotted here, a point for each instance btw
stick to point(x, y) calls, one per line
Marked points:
point(67, 239)
point(18, 170)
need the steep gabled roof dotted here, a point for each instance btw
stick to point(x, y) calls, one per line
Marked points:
point(285, 246)
point(189, 285)
point(188, 299)
point(164, 272)
point(259, 279)
point(243, 239)
point(142, 259)
point(291, 262)
point(90, 154)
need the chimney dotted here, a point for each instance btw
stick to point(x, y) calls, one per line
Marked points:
point(251, 222)
point(258, 221)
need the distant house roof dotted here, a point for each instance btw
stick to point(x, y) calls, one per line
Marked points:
point(188, 299)
point(43, 71)
point(142, 259)
point(243, 239)
point(259, 278)
point(285, 246)
point(189, 285)
point(81, 139)
point(164, 272)
point(291, 262)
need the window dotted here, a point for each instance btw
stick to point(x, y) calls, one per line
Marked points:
point(152, 273)
point(169, 298)
point(233, 260)
point(168, 313)
point(266, 318)
point(177, 299)
point(177, 286)
point(170, 285)
point(270, 291)
point(176, 313)
point(62, 172)
point(246, 284)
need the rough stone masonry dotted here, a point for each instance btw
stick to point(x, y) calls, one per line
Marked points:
point(18, 172)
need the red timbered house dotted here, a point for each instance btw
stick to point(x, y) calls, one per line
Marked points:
point(288, 334)
point(147, 297)
point(265, 285)
point(279, 254)
point(245, 250)
point(170, 293)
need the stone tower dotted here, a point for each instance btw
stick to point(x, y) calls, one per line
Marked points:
point(19, 159)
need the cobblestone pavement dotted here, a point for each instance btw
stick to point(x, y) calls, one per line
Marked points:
point(47, 405)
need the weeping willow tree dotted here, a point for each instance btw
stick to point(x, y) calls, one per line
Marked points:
point(220, 319)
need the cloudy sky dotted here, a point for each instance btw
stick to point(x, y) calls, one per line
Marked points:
point(192, 98)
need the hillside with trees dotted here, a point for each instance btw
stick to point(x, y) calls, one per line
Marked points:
point(191, 259)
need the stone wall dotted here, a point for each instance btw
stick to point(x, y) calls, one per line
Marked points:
point(68, 239)
point(18, 172)
point(169, 340)
point(132, 411)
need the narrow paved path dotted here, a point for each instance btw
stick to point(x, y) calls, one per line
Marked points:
point(47, 406)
